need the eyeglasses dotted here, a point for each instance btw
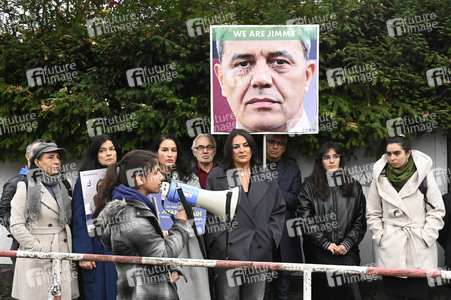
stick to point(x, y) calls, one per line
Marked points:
point(328, 157)
point(202, 148)
point(273, 142)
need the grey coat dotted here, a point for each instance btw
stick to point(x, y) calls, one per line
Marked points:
point(130, 228)
point(196, 285)
point(33, 277)
point(258, 225)
point(404, 228)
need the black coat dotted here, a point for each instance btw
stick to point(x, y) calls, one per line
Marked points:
point(444, 238)
point(339, 220)
point(9, 190)
point(258, 224)
point(289, 180)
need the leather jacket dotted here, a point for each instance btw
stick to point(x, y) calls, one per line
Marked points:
point(9, 190)
point(340, 219)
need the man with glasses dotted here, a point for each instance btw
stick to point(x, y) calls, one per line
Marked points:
point(289, 179)
point(204, 150)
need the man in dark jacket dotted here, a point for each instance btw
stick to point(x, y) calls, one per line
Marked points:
point(289, 179)
point(9, 190)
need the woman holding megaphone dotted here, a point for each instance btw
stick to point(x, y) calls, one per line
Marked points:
point(131, 227)
point(257, 228)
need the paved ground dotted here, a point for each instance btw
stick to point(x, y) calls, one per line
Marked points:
point(371, 290)
point(6, 279)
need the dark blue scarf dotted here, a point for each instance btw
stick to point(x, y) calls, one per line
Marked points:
point(125, 192)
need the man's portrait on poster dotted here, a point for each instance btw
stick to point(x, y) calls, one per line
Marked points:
point(264, 78)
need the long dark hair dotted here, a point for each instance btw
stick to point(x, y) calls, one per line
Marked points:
point(116, 174)
point(182, 165)
point(91, 161)
point(227, 160)
point(319, 178)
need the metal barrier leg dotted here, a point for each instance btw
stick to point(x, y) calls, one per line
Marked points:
point(55, 289)
point(307, 284)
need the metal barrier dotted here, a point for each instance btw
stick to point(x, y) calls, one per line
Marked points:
point(307, 269)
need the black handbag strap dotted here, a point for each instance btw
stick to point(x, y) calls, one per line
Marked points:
point(228, 222)
point(189, 213)
point(423, 189)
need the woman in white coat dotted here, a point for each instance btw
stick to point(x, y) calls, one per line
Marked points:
point(403, 221)
point(40, 218)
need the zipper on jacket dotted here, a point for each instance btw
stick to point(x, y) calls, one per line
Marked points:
point(334, 207)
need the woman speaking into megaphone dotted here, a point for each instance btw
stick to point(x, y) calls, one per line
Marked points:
point(131, 227)
point(257, 227)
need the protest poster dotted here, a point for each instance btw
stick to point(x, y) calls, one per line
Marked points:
point(264, 78)
point(171, 209)
point(90, 182)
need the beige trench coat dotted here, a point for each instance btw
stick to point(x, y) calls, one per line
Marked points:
point(404, 227)
point(33, 277)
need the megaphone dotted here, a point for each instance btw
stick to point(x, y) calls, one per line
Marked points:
point(212, 201)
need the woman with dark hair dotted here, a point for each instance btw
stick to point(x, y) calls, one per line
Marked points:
point(131, 227)
point(98, 278)
point(41, 213)
point(332, 212)
point(175, 166)
point(257, 227)
point(404, 212)
point(173, 163)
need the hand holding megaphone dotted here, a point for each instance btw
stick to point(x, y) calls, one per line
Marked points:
point(220, 203)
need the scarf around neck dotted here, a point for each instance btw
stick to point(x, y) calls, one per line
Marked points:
point(399, 177)
point(35, 178)
point(125, 192)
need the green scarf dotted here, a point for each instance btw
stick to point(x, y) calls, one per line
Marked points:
point(399, 177)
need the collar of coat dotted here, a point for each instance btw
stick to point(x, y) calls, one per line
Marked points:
point(258, 188)
point(260, 175)
point(423, 163)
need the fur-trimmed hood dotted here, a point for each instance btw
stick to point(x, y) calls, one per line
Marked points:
point(108, 217)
